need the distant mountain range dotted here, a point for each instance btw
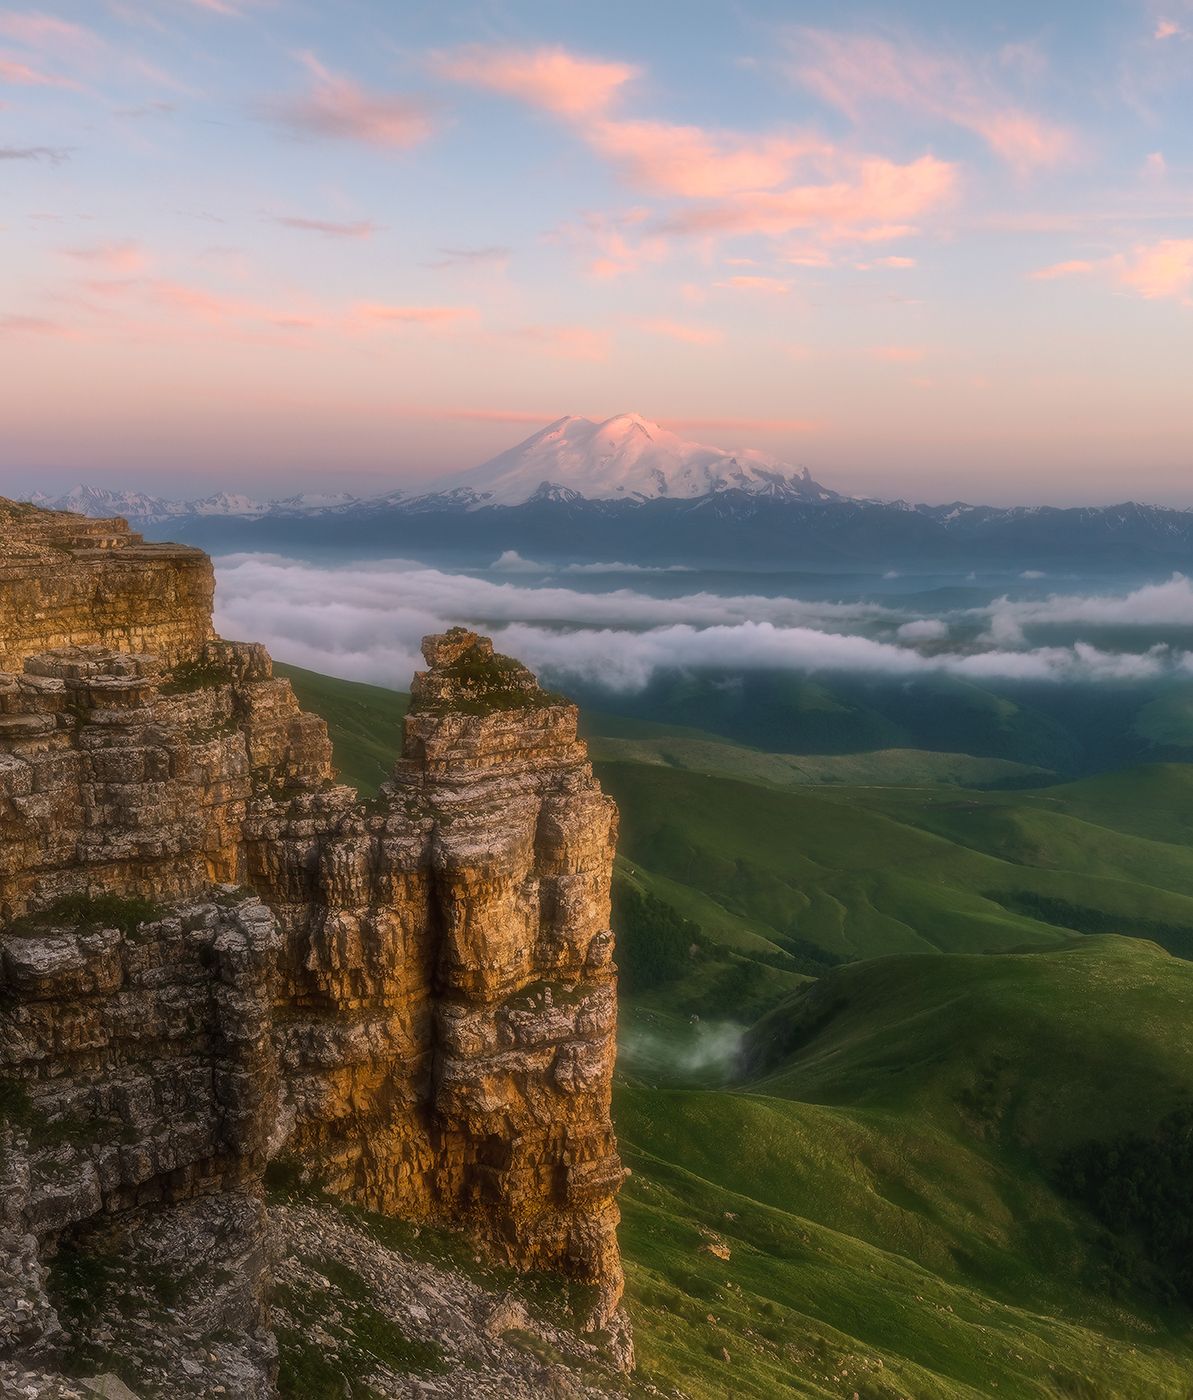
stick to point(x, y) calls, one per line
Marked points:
point(628, 490)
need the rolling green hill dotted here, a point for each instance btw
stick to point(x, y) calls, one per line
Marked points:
point(884, 1183)
point(907, 1018)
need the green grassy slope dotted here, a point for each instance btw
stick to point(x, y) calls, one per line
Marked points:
point(884, 1185)
point(883, 767)
point(365, 722)
point(862, 872)
point(884, 1178)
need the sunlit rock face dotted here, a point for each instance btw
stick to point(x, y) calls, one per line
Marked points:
point(68, 581)
point(450, 1034)
point(211, 952)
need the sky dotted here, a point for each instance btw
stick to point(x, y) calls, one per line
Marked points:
point(925, 249)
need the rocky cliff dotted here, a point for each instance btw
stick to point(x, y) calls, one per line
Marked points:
point(211, 954)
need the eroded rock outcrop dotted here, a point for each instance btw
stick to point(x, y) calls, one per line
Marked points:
point(210, 952)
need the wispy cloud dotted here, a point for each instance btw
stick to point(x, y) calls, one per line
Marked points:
point(897, 354)
point(54, 154)
point(1155, 271)
point(112, 258)
point(869, 194)
point(493, 415)
point(1074, 267)
point(550, 78)
point(363, 228)
point(857, 72)
point(746, 425)
point(386, 314)
point(755, 282)
point(683, 331)
point(33, 325)
point(662, 158)
point(471, 257)
point(1163, 269)
point(22, 74)
point(37, 30)
point(338, 108)
point(572, 342)
point(739, 183)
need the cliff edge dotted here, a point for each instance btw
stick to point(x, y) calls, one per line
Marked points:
point(214, 957)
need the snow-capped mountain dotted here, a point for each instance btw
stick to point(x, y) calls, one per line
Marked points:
point(629, 490)
point(99, 503)
point(627, 458)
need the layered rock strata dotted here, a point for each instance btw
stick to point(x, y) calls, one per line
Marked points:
point(67, 581)
point(211, 952)
point(449, 1036)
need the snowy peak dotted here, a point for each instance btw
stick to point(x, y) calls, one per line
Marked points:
point(143, 509)
point(627, 458)
point(101, 504)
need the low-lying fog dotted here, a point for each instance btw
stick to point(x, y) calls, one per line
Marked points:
point(614, 627)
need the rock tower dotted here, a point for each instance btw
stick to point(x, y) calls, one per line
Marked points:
point(212, 954)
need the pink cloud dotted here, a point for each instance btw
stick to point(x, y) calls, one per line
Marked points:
point(1155, 271)
point(897, 354)
point(112, 257)
point(693, 163)
point(571, 342)
point(1167, 29)
point(492, 415)
point(1075, 267)
point(682, 331)
point(23, 75)
point(875, 192)
point(614, 243)
point(199, 301)
point(330, 229)
point(895, 262)
point(742, 183)
point(748, 425)
point(45, 32)
point(381, 314)
point(340, 109)
point(1163, 269)
point(551, 78)
point(1022, 140)
point(34, 325)
point(751, 282)
point(855, 72)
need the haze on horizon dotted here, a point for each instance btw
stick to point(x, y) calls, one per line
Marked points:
point(269, 246)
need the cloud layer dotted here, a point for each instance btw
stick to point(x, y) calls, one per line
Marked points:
point(365, 622)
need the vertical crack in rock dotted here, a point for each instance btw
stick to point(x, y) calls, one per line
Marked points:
point(421, 1013)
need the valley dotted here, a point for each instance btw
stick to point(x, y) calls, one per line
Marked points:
point(856, 1049)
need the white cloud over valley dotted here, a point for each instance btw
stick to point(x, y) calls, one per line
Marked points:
point(365, 622)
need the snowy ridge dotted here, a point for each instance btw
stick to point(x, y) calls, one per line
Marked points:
point(626, 458)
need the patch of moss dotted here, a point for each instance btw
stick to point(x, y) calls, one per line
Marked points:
point(363, 1338)
point(191, 676)
point(86, 912)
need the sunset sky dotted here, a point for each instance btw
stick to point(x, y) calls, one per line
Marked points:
point(926, 249)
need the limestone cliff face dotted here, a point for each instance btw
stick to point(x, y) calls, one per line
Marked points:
point(413, 999)
point(67, 581)
point(449, 1043)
